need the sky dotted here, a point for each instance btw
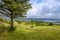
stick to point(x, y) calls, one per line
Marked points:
point(44, 9)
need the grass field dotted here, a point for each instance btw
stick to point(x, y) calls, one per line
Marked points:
point(25, 32)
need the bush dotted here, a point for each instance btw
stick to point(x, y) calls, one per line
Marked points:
point(11, 29)
point(2, 29)
point(50, 24)
point(18, 21)
point(4, 20)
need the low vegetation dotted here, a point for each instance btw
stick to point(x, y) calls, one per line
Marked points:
point(33, 30)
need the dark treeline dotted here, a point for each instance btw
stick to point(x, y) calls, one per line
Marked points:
point(37, 23)
point(32, 22)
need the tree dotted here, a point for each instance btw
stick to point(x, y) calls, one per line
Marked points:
point(14, 8)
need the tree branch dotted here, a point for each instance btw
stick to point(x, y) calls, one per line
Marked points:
point(4, 13)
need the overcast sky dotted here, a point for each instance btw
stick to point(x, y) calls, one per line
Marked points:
point(44, 9)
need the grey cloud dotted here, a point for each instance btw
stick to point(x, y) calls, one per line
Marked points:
point(46, 10)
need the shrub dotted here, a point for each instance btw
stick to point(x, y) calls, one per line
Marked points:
point(18, 21)
point(50, 24)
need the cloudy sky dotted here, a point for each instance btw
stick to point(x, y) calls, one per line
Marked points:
point(44, 9)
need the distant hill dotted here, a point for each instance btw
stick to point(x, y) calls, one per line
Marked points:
point(40, 19)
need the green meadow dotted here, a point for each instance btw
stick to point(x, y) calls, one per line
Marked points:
point(25, 31)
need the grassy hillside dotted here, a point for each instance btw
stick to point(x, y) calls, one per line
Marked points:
point(25, 32)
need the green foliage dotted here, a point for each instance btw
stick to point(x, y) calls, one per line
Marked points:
point(18, 21)
point(11, 29)
point(2, 28)
point(27, 23)
point(50, 24)
point(32, 22)
point(4, 20)
point(39, 23)
point(1, 19)
point(14, 8)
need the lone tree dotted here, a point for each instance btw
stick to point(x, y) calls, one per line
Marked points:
point(14, 8)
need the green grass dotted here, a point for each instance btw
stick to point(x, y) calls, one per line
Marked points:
point(25, 32)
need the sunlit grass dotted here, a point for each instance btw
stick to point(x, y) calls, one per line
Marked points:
point(25, 32)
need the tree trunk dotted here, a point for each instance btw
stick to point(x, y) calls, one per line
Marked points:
point(12, 23)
